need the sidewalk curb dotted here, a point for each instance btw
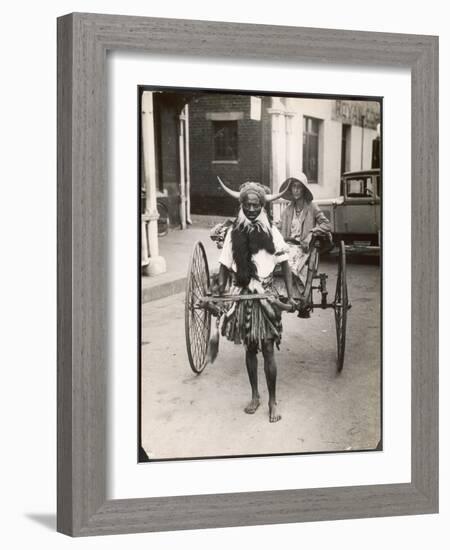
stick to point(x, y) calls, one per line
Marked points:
point(151, 293)
point(163, 290)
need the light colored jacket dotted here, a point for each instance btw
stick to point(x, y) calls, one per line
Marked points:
point(313, 217)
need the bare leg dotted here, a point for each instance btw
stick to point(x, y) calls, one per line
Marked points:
point(270, 370)
point(252, 369)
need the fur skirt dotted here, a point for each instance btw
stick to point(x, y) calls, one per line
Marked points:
point(250, 322)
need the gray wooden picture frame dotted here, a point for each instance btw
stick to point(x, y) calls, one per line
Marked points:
point(83, 41)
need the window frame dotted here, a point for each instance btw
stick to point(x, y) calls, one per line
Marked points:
point(226, 123)
point(306, 135)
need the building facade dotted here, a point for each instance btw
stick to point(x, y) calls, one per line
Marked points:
point(190, 138)
point(268, 139)
point(200, 136)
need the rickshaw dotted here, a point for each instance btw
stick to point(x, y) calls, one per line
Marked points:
point(201, 304)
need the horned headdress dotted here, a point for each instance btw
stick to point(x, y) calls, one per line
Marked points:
point(252, 187)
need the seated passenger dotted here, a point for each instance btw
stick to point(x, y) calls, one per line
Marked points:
point(300, 221)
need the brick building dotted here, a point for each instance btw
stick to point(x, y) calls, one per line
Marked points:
point(230, 138)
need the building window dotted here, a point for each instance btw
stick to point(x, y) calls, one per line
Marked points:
point(225, 134)
point(311, 148)
point(345, 148)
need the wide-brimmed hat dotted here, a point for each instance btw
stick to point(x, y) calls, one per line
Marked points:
point(285, 187)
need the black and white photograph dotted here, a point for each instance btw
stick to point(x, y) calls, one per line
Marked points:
point(221, 283)
point(260, 274)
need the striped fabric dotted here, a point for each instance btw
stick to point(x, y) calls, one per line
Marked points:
point(251, 322)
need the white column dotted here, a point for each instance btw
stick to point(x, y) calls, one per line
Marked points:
point(181, 149)
point(145, 258)
point(278, 144)
point(188, 166)
point(156, 263)
point(290, 144)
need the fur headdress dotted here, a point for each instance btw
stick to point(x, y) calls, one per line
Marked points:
point(253, 187)
point(262, 191)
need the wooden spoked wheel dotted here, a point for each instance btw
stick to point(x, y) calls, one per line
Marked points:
point(341, 306)
point(197, 319)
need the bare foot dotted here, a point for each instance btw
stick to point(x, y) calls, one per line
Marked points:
point(252, 406)
point(273, 414)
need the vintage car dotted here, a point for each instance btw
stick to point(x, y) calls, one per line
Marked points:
point(355, 215)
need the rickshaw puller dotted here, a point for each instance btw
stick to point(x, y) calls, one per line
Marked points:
point(252, 249)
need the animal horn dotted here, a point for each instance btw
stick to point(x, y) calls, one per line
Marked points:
point(270, 198)
point(234, 194)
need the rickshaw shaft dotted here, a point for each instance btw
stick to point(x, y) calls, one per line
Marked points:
point(236, 297)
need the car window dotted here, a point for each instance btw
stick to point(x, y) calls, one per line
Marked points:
point(360, 187)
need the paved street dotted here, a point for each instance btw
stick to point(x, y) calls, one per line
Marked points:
point(186, 415)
